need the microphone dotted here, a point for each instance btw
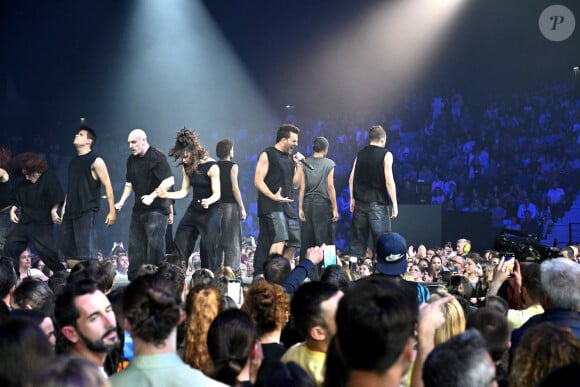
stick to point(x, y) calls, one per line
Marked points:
point(303, 161)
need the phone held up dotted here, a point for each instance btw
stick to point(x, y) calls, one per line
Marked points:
point(329, 255)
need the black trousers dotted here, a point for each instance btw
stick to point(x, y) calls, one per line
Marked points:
point(40, 236)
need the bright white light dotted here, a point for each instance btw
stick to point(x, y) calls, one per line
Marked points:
point(383, 51)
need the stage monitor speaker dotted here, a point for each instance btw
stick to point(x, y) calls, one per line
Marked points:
point(419, 224)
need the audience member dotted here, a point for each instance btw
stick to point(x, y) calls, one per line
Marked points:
point(85, 322)
point(24, 350)
point(544, 347)
point(461, 361)
point(313, 307)
point(269, 305)
point(494, 328)
point(152, 312)
point(202, 305)
point(561, 300)
point(236, 352)
point(69, 371)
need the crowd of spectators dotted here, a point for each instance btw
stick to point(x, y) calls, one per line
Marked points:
point(283, 327)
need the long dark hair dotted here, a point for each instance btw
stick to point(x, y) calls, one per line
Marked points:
point(230, 341)
point(188, 141)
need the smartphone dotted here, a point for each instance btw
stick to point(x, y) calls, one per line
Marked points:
point(509, 260)
point(329, 255)
point(234, 290)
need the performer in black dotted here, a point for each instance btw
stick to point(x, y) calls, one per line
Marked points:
point(147, 170)
point(203, 216)
point(372, 192)
point(230, 244)
point(37, 198)
point(86, 173)
point(276, 175)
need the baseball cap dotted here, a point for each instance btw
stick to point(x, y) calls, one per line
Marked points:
point(392, 254)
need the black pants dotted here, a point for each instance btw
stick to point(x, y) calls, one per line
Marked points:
point(206, 224)
point(40, 236)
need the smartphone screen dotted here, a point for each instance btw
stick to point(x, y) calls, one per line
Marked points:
point(509, 262)
point(234, 290)
point(329, 255)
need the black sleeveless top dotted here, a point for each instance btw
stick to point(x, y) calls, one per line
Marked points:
point(201, 185)
point(226, 181)
point(280, 174)
point(369, 183)
point(84, 192)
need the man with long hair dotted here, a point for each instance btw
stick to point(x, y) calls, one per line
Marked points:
point(34, 205)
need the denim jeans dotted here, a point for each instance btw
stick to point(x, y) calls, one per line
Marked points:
point(319, 227)
point(230, 243)
point(368, 218)
point(205, 224)
point(78, 237)
point(146, 240)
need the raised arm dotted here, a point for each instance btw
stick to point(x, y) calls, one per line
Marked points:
point(102, 173)
point(298, 174)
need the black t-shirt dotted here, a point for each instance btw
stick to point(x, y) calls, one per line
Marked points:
point(145, 174)
point(37, 199)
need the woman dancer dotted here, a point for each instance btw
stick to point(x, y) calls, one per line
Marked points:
point(203, 216)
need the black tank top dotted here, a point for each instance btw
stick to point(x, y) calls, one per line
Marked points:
point(201, 185)
point(369, 183)
point(226, 181)
point(84, 192)
point(280, 173)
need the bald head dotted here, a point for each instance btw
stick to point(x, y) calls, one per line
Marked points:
point(138, 142)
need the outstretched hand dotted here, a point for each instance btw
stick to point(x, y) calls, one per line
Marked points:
point(282, 199)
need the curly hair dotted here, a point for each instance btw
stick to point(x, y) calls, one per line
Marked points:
point(268, 304)
point(28, 162)
point(203, 304)
point(152, 308)
point(187, 141)
point(553, 346)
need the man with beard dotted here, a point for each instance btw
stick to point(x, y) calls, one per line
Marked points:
point(86, 324)
point(277, 173)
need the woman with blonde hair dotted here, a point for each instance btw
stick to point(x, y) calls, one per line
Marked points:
point(203, 304)
point(454, 319)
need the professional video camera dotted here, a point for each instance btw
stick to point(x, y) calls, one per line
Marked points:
point(523, 246)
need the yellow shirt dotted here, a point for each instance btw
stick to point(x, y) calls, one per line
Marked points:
point(517, 318)
point(312, 361)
